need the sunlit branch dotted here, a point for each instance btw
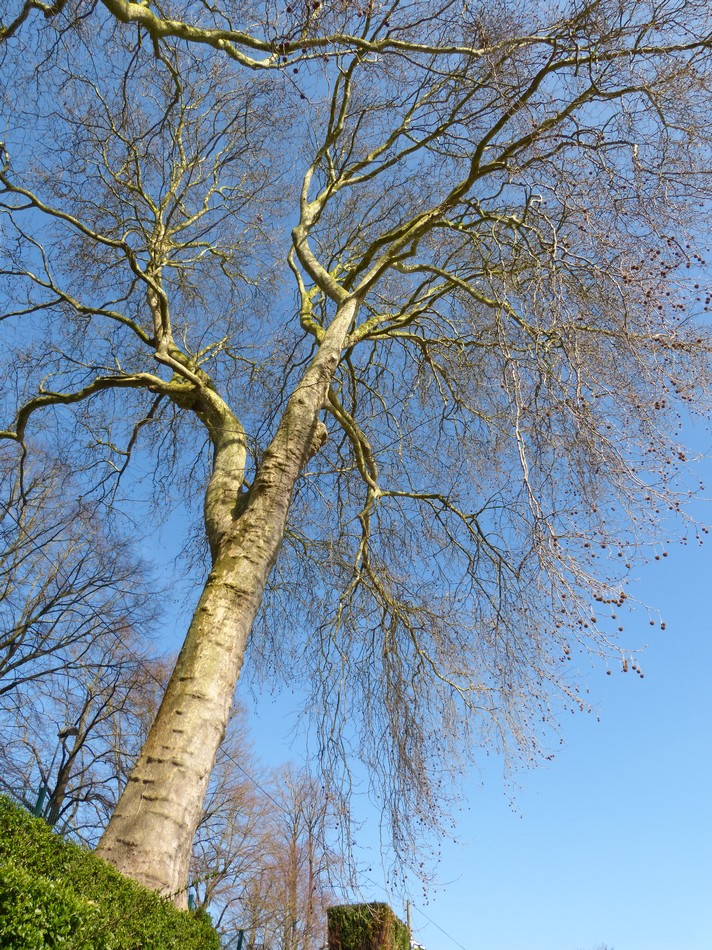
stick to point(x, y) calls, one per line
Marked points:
point(49, 10)
point(137, 381)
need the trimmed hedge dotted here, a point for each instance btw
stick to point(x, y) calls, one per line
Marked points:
point(366, 927)
point(56, 894)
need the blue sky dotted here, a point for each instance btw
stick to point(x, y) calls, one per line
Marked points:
point(611, 843)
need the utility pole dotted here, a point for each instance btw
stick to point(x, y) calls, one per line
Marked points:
point(407, 922)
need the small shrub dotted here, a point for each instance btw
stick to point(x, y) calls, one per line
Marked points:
point(366, 927)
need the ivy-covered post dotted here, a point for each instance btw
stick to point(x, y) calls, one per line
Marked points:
point(366, 927)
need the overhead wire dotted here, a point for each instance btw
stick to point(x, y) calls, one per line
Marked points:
point(435, 924)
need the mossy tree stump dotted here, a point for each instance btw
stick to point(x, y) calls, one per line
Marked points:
point(366, 927)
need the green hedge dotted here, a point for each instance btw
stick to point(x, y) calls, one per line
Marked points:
point(56, 894)
point(366, 927)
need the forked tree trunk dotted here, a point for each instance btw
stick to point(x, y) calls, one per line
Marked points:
point(150, 835)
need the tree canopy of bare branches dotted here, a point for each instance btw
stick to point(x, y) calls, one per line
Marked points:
point(75, 607)
point(409, 294)
point(65, 585)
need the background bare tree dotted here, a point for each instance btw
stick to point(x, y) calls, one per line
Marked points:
point(493, 224)
point(231, 843)
point(265, 858)
point(70, 739)
point(302, 865)
point(74, 607)
point(65, 584)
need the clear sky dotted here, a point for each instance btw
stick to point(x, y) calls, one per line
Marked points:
point(611, 843)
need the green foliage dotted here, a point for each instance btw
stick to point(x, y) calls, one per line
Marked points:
point(55, 894)
point(366, 927)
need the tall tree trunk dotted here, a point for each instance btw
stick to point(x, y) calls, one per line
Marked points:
point(311, 885)
point(57, 797)
point(150, 834)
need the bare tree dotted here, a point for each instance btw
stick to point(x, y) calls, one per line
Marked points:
point(70, 738)
point(492, 222)
point(231, 843)
point(65, 585)
point(262, 859)
point(302, 866)
point(74, 607)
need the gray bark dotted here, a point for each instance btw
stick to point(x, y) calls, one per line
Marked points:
point(150, 835)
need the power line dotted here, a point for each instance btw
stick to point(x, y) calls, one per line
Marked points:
point(430, 920)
